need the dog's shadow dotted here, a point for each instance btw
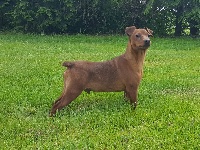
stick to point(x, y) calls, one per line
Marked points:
point(96, 102)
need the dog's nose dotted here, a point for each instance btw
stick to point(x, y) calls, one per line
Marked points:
point(147, 42)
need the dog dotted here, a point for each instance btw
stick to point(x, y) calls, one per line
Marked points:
point(123, 73)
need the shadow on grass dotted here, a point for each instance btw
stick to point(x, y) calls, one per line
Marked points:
point(96, 103)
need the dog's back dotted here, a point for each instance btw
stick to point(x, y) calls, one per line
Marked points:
point(97, 76)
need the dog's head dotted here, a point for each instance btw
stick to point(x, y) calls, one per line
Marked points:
point(139, 38)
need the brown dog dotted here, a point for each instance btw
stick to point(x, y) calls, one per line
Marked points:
point(122, 73)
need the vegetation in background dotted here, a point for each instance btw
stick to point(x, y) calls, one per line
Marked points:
point(175, 15)
point(165, 17)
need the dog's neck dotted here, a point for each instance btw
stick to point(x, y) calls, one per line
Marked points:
point(135, 56)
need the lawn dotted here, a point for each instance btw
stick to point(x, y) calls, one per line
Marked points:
point(31, 77)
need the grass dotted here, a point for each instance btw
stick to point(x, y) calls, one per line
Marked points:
point(167, 116)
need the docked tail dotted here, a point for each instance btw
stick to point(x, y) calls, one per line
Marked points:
point(68, 64)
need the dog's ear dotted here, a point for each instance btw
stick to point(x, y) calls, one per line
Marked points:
point(149, 31)
point(130, 30)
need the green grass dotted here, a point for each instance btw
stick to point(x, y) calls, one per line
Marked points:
point(168, 112)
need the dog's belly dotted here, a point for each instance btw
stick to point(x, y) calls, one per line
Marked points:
point(105, 86)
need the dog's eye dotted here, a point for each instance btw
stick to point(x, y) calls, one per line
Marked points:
point(137, 35)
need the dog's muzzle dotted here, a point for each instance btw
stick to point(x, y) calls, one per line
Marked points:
point(147, 42)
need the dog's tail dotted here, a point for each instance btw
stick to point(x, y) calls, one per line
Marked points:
point(68, 64)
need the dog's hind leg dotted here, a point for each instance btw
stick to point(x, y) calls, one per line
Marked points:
point(58, 99)
point(66, 98)
point(65, 86)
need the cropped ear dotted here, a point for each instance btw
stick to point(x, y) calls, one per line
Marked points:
point(149, 31)
point(130, 30)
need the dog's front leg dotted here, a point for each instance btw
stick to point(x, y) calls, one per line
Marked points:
point(131, 93)
point(126, 96)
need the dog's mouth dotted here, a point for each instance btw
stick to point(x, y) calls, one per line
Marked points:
point(144, 46)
